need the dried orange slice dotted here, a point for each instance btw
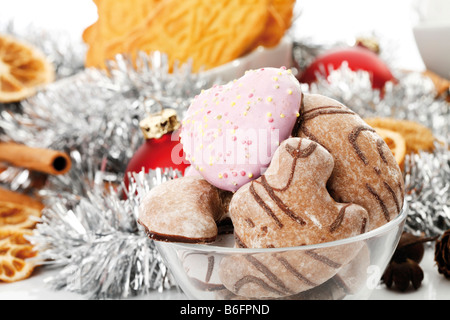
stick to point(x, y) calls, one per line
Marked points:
point(15, 249)
point(417, 136)
point(18, 210)
point(23, 69)
point(18, 216)
point(395, 142)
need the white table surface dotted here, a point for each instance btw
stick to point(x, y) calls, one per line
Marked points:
point(347, 18)
point(434, 287)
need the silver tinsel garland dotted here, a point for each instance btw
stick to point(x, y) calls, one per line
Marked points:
point(413, 97)
point(94, 116)
point(91, 233)
point(103, 252)
point(427, 183)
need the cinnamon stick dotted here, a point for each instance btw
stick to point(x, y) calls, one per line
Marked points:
point(36, 159)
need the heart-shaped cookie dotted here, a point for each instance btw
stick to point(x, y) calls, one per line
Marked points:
point(231, 131)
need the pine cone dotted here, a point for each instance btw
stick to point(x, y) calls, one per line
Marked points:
point(442, 254)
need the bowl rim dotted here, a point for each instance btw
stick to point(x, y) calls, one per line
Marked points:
point(285, 41)
point(211, 248)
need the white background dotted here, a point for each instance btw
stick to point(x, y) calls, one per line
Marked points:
point(323, 20)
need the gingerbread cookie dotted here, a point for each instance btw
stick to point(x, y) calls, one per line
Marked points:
point(365, 170)
point(290, 205)
point(276, 275)
point(283, 274)
point(185, 209)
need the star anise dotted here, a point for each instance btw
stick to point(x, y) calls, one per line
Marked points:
point(442, 254)
point(404, 269)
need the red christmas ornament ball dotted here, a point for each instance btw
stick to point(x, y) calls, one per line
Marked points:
point(161, 148)
point(158, 153)
point(358, 58)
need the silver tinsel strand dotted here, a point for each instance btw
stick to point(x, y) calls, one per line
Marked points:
point(427, 184)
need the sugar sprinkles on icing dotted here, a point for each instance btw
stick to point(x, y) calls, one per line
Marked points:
point(264, 101)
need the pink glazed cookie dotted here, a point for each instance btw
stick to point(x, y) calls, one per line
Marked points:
point(231, 131)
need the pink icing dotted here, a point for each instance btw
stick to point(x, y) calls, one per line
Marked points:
point(231, 131)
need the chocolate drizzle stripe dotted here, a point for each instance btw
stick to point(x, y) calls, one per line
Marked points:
point(377, 170)
point(394, 196)
point(174, 238)
point(250, 222)
point(296, 153)
point(340, 283)
point(210, 268)
point(280, 203)
point(323, 107)
point(363, 226)
point(238, 241)
point(326, 112)
point(380, 202)
point(312, 137)
point(323, 259)
point(307, 133)
point(206, 286)
point(380, 143)
point(353, 136)
point(267, 273)
point(252, 279)
point(264, 206)
point(295, 272)
point(340, 217)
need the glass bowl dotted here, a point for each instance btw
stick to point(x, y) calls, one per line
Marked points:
point(261, 57)
point(344, 269)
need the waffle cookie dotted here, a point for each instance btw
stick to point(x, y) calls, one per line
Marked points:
point(15, 249)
